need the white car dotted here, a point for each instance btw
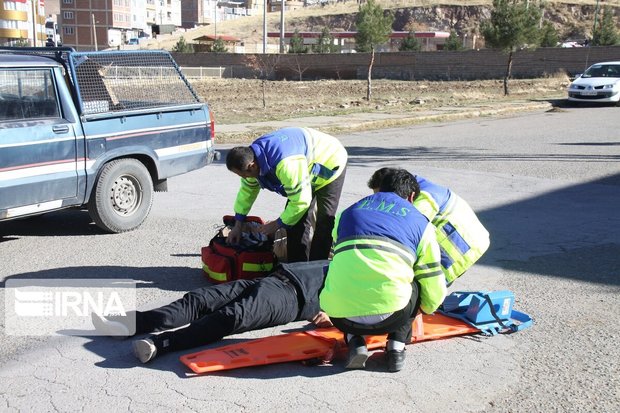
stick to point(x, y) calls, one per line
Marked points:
point(599, 83)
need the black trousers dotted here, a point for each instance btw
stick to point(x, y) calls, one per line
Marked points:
point(309, 240)
point(397, 326)
point(217, 311)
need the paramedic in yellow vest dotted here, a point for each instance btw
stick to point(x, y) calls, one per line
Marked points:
point(462, 238)
point(303, 165)
point(385, 267)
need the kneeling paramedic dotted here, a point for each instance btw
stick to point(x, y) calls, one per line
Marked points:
point(385, 268)
point(461, 237)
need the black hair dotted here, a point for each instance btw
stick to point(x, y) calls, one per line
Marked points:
point(401, 182)
point(239, 157)
point(375, 180)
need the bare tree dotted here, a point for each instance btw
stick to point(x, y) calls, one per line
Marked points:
point(265, 65)
point(297, 66)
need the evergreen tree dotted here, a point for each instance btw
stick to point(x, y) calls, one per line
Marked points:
point(606, 34)
point(410, 44)
point(513, 25)
point(219, 46)
point(182, 47)
point(325, 43)
point(373, 28)
point(548, 35)
point(297, 44)
point(453, 42)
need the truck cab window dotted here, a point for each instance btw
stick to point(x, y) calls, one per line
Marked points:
point(27, 95)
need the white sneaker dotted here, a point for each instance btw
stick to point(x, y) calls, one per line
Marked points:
point(108, 327)
point(144, 350)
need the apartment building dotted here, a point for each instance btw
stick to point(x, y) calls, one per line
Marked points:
point(192, 13)
point(103, 24)
point(214, 11)
point(22, 23)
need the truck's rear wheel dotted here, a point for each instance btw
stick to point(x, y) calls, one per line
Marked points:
point(122, 197)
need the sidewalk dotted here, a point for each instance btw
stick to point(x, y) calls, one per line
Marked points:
point(240, 132)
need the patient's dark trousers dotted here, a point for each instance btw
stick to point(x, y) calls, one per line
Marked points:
point(217, 311)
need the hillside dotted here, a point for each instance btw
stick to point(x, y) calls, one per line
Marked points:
point(573, 19)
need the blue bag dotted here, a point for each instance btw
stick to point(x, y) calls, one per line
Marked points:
point(490, 312)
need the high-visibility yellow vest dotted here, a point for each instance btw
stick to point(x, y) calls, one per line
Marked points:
point(462, 238)
point(294, 162)
point(382, 244)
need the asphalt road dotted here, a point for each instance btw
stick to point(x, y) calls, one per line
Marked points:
point(546, 185)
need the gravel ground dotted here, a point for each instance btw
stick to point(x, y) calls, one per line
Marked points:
point(286, 99)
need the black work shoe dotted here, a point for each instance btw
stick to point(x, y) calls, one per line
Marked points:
point(395, 360)
point(358, 353)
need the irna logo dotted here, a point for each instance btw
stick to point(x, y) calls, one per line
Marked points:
point(67, 303)
point(64, 306)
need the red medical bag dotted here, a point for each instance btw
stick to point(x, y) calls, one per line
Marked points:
point(222, 262)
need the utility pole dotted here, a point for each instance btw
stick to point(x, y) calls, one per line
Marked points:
point(264, 26)
point(92, 15)
point(215, 19)
point(34, 23)
point(281, 26)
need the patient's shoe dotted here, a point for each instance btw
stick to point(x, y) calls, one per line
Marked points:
point(395, 360)
point(358, 353)
point(110, 327)
point(145, 350)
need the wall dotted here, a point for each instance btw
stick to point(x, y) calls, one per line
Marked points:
point(464, 65)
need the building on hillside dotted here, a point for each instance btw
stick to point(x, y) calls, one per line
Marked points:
point(168, 12)
point(205, 43)
point(222, 10)
point(102, 24)
point(210, 12)
point(151, 15)
point(276, 5)
point(345, 41)
point(88, 25)
point(22, 23)
point(193, 13)
point(52, 31)
point(139, 22)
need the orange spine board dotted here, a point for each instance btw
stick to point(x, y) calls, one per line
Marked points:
point(322, 343)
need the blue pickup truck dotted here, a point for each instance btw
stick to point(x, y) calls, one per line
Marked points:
point(101, 130)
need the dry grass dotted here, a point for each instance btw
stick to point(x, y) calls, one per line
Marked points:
point(240, 100)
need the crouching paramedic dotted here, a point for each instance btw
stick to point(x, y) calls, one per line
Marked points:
point(211, 313)
point(303, 165)
point(385, 267)
point(461, 237)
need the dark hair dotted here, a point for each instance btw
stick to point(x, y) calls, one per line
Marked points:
point(239, 157)
point(375, 180)
point(400, 182)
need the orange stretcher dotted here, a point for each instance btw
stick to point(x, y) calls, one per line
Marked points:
point(323, 344)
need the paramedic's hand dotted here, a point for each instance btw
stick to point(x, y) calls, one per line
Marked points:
point(322, 320)
point(234, 236)
point(269, 228)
